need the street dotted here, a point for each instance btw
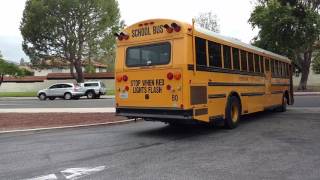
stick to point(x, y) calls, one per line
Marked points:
point(266, 145)
point(300, 101)
point(58, 103)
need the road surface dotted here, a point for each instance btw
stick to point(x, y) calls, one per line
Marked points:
point(265, 146)
point(300, 101)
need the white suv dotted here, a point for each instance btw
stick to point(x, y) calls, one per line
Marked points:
point(65, 90)
point(94, 89)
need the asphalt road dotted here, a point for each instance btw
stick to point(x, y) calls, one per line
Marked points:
point(58, 103)
point(300, 101)
point(265, 146)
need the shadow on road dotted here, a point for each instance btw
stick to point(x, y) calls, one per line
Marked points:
point(195, 130)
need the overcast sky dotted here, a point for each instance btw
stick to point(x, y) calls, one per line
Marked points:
point(232, 15)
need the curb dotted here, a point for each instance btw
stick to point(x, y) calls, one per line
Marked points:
point(307, 93)
point(69, 127)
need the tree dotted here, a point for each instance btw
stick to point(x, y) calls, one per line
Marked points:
point(7, 68)
point(72, 31)
point(208, 21)
point(290, 28)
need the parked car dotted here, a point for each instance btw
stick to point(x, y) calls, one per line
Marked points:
point(94, 89)
point(64, 90)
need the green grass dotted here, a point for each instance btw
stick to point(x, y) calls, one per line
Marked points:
point(110, 92)
point(18, 94)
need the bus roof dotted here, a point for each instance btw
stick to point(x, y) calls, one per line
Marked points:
point(240, 43)
point(234, 41)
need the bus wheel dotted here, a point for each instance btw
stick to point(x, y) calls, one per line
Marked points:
point(283, 107)
point(233, 112)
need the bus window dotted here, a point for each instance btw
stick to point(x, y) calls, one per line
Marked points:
point(201, 51)
point(257, 63)
point(276, 68)
point(155, 54)
point(214, 54)
point(250, 62)
point(244, 63)
point(227, 57)
point(272, 67)
point(267, 64)
point(236, 62)
point(261, 64)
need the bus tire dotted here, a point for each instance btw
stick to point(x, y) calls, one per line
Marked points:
point(233, 112)
point(283, 107)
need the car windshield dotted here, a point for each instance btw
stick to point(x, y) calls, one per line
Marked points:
point(148, 55)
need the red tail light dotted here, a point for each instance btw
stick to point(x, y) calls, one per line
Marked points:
point(177, 76)
point(119, 78)
point(170, 75)
point(169, 87)
point(176, 27)
point(168, 28)
point(125, 78)
point(126, 88)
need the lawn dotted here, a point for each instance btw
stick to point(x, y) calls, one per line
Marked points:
point(18, 94)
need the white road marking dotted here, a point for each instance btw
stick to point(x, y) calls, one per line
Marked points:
point(45, 177)
point(59, 110)
point(75, 173)
point(66, 127)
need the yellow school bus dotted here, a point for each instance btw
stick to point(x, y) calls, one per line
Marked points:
point(174, 72)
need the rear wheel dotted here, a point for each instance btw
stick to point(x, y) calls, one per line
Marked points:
point(67, 96)
point(283, 107)
point(90, 95)
point(233, 112)
point(42, 96)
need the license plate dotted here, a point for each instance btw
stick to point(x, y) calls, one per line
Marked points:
point(124, 95)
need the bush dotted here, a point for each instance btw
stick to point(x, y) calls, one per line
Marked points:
point(316, 64)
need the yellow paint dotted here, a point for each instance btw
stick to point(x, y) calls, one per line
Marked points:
point(182, 55)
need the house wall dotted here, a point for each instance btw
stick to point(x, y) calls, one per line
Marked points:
point(32, 87)
point(45, 72)
point(313, 80)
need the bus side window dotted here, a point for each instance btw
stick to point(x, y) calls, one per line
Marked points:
point(214, 54)
point(261, 64)
point(250, 62)
point(276, 68)
point(257, 63)
point(227, 57)
point(272, 67)
point(244, 63)
point(201, 50)
point(236, 59)
point(267, 64)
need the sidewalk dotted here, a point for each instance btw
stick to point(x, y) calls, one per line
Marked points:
point(307, 93)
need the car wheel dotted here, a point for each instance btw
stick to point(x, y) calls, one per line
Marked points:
point(90, 95)
point(52, 98)
point(233, 112)
point(42, 96)
point(67, 96)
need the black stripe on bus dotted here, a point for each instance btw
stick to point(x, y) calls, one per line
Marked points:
point(216, 96)
point(233, 84)
point(253, 94)
point(220, 70)
point(280, 84)
point(277, 92)
point(199, 112)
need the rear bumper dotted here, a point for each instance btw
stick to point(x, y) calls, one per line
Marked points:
point(155, 114)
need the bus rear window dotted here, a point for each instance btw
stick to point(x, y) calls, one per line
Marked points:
point(149, 55)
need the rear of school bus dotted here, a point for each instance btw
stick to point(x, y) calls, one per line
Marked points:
point(151, 71)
